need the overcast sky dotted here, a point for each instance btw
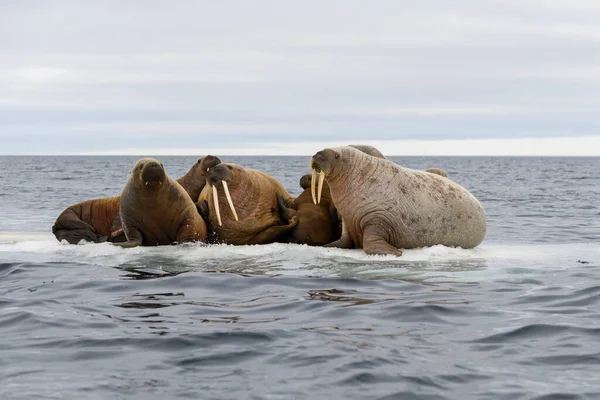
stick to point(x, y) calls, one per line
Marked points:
point(291, 77)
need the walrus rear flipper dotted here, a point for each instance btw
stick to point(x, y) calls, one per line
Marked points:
point(286, 211)
point(272, 233)
point(74, 236)
point(70, 227)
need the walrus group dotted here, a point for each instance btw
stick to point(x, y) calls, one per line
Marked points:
point(354, 198)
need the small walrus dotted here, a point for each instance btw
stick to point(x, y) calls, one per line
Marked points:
point(156, 210)
point(386, 207)
point(318, 224)
point(98, 220)
point(249, 213)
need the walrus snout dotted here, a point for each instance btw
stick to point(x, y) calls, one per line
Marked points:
point(221, 173)
point(218, 173)
point(153, 172)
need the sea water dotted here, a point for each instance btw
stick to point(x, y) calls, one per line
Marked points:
point(518, 317)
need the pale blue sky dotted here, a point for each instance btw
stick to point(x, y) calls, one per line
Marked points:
point(283, 77)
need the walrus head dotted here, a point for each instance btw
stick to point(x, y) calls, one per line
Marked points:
point(323, 163)
point(221, 174)
point(206, 163)
point(305, 181)
point(150, 172)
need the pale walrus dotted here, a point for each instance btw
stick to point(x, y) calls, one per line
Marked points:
point(98, 220)
point(386, 207)
point(156, 210)
point(247, 211)
point(319, 222)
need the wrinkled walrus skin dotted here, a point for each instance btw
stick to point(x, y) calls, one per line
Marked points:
point(320, 224)
point(98, 220)
point(386, 207)
point(156, 210)
point(254, 198)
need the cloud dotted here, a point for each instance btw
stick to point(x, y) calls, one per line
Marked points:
point(270, 72)
point(560, 146)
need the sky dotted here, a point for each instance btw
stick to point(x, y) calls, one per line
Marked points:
point(427, 77)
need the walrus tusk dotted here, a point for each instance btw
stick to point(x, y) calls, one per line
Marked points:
point(229, 200)
point(313, 182)
point(321, 178)
point(216, 199)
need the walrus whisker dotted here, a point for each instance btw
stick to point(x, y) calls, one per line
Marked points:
point(216, 200)
point(321, 179)
point(313, 182)
point(229, 200)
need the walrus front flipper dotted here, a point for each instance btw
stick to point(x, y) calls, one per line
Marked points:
point(271, 234)
point(134, 238)
point(344, 242)
point(203, 210)
point(375, 243)
point(116, 230)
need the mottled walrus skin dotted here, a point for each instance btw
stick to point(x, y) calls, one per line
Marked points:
point(317, 223)
point(320, 224)
point(386, 207)
point(156, 210)
point(98, 220)
point(254, 198)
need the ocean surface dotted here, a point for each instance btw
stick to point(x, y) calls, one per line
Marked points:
point(518, 317)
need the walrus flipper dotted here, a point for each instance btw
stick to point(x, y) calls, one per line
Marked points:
point(203, 210)
point(116, 231)
point(270, 234)
point(134, 238)
point(70, 227)
point(375, 243)
point(286, 211)
point(74, 236)
point(344, 242)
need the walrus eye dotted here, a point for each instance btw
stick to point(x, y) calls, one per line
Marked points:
point(337, 156)
point(230, 167)
point(141, 166)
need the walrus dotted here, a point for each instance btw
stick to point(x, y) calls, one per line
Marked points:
point(249, 211)
point(318, 224)
point(156, 210)
point(386, 207)
point(98, 220)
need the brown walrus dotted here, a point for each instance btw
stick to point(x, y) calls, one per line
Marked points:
point(386, 207)
point(249, 212)
point(156, 210)
point(98, 220)
point(317, 223)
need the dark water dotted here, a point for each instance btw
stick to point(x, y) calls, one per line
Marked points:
point(516, 318)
